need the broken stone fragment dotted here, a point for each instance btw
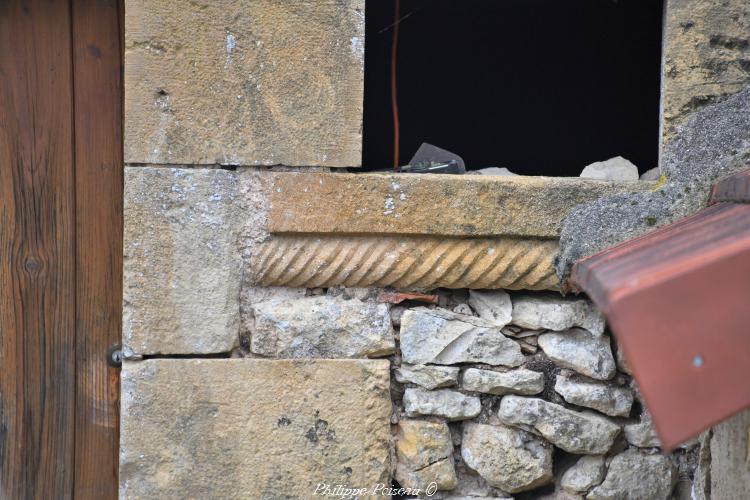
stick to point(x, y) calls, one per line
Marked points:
point(581, 351)
point(506, 458)
point(550, 311)
point(493, 305)
point(444, 403)
point(614, 169)
point(652, 174)
point(321, 327)
point(636, 476)
point(502, 171)
point(584, 433)
point(609, 399)
point(443, 337)
point(586, 473)
point(518, 381)
point(428, 376)
point(424, 451)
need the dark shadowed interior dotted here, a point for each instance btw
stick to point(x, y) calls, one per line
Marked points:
point(542, 87)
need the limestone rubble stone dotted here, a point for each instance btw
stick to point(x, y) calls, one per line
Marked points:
point(581, 351)
point(609, 399)
point(492, 305)
point(636, 476)
point(181, 263)
point(518, 381)
point(244, 83)
point(443, 337)
point(321, 327)
point(553, 312)
point(451, 405)
point(252, 428)
point(575, 432)
point(507, 458)
point(614, 169)
point(424, 454)
point(586, 473)
point(642, 434)
point(428, 376)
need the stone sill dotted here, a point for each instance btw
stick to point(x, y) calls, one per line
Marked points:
point(415, 231)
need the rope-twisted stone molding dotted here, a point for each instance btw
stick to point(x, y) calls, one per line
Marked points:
point(405, 262)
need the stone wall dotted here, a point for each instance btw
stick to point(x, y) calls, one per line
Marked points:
point(236, 387)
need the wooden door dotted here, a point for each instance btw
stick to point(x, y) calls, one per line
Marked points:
point(60, 247)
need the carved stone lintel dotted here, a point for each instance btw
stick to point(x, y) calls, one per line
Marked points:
point(418, 232)
point(405, 262)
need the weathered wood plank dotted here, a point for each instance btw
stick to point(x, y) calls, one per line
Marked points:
point(97, 63)
point(37, 251)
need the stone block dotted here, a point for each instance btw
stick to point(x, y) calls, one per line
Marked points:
point(321, 327)
point(407, 204)
point(584, 433)
point(443, 337)
point(637, 476)
point(257, 82)
point(181, 261)
point(251, 428)
point(507, 458)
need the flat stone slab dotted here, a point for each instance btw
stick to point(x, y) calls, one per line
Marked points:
point(250, 428)
point(181, 266)
point(447, 205)
point(244, 83)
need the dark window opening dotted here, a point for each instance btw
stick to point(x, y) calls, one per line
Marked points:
point(541, 87)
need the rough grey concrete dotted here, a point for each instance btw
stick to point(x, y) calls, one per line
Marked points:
point(712, 143)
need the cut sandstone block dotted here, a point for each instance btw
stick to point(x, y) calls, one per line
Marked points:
point(181, 262)
point(257, 82)
point(250, 428)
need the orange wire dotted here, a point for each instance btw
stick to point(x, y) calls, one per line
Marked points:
point(394, 99)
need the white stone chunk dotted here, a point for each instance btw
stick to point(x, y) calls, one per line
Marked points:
point(506, 458)
point(445, 403)
point(443, 337)
point(584, 433)
point(614, 169)
point(428, 376)
point(518, 381)
point(321, 327)
point(651, 174)
point(552, 312)
point(609, 399)
point(581, 351)
point(493, 305)
point(634, 475)
point(586, 473)
point(501, 171)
